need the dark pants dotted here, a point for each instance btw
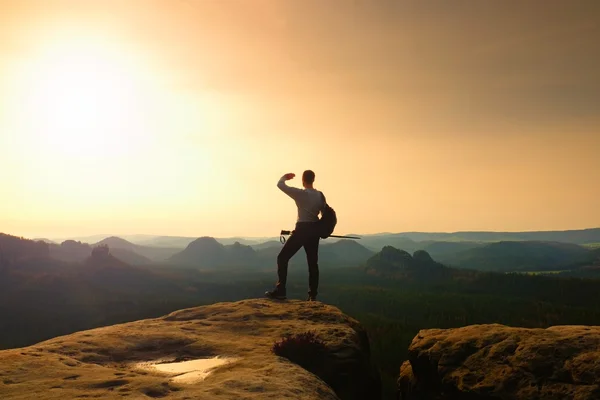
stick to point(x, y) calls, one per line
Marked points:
point(305, 235)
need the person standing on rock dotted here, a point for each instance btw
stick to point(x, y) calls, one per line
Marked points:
point(309, 202)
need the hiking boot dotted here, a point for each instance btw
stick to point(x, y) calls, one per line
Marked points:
point(311, 298)
point(276, 294)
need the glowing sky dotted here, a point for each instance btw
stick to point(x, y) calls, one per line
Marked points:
point(178, 117)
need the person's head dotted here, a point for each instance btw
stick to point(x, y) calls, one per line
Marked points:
point(308, 178)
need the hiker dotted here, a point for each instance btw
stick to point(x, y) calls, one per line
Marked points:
point(309, 202)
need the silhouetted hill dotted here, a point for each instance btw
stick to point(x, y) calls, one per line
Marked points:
point(101, 257)
point(521, 256)
point(341, 253)
point(70, 251)
point(435, 247)
point(117, 256)
point(117, 243)
point(117, 275)
point(346, 251)
point(14, 248)
point(241, 254)
point(390, 258)
point(207, 252)
point(202, 252)
point(392, 262)
point(130, 257)
point(44, 240)
point(426, 274)
point(76, 252)
point(181, 242)
point(149, 253)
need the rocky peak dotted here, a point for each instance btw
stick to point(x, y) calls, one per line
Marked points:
point(394, 262)
point(423, 257)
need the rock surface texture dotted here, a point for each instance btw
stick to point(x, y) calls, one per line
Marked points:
point(102, 363)
point(485, 362)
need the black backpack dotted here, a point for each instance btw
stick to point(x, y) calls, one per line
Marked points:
point(328, 220)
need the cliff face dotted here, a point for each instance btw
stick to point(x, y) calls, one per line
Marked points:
point(485, 362)
point(105, 362)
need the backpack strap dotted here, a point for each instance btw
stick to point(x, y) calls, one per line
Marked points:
point(322, 208)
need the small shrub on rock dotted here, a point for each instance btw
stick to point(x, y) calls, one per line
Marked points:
point(304, 349)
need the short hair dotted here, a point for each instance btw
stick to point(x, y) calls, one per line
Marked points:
point(308, 176)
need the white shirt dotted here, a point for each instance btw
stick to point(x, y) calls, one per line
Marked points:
point(309, 201)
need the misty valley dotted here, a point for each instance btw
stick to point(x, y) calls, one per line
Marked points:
point(395, 284)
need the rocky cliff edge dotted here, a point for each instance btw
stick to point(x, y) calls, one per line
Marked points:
point(107, 362)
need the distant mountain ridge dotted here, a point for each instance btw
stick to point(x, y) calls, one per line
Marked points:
point(577, 236)
point(468, 249)
point(184, 241)
point(499, 257)
point(75, 252)
point(509, 256)
point(207, 252)
point(376, 241)
point(151, 253)
point(14, 248)
point(344, 251)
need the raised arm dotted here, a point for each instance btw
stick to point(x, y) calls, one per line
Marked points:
point(293, 192)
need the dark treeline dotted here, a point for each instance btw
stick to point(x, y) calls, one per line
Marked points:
point(394, 311)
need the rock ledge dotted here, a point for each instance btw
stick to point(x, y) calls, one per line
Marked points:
point(101, 363)
point(496, 362)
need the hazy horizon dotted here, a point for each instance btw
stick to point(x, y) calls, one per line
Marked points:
point(179, 117)
point(141, 238)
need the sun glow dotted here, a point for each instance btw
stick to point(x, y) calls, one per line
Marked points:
point(93, 125)
point(85, 97)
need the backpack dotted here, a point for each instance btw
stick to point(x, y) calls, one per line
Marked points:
point(328, 220)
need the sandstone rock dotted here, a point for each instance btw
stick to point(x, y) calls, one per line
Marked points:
point(481, 362)
point(102, 362)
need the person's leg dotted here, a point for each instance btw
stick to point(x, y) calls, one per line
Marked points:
point(311, 247)
point(291, 247)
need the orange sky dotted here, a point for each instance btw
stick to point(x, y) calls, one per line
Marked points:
point(178, 117)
